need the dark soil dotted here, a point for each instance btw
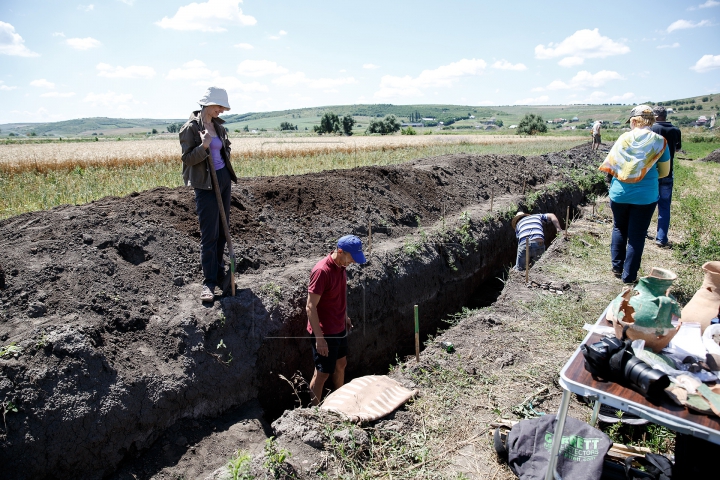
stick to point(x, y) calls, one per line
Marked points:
point(713, 157)
point(117, 352)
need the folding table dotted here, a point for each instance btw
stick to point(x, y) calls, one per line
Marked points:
point(575, 379)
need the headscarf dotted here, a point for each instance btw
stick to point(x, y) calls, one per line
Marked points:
point(633, 154)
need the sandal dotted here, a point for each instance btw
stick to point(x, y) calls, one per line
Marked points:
point(207, 294)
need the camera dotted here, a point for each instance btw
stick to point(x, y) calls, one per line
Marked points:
point(613, 359)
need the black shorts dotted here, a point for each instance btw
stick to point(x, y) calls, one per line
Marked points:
point(337, 348)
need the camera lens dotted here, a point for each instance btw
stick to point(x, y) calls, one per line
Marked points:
point(647, 380)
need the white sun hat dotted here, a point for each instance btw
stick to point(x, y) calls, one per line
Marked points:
point(215, 96)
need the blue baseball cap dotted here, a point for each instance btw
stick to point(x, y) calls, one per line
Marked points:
point(352, 245)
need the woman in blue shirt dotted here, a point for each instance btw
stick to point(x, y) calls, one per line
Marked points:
point(636, 161)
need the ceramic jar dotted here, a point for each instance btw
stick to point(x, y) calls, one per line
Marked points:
point(705, 304)
point(647, 310)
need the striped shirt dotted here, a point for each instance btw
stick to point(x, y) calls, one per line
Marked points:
point(530, 227)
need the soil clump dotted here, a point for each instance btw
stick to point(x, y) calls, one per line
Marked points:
point(116, 355)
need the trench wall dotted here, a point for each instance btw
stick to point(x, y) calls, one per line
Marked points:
point(102, 395)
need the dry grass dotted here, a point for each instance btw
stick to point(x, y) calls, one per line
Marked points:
point(44, 157)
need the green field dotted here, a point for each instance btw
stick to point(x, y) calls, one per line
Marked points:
point(266, 123)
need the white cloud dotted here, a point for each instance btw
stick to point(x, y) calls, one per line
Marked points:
point(571, 61)
point(298, 78)
point(580, 46)
point(370, 66)
point(133, 71)
point(192, 70)
point(58, 34)
point(42, 83)
point(505, 65)
point(6, 88)
point(708, 4)
point(583, 80)
point(58, 94)
point(329, 83)
point(83, 43)
point(533, 101)
point(291, 79)
point(260, 68)
point(232, 84)
point(109, 99)
point(280, 34)
point(674, 45)
point(684, 24)
point(11, 43)
point(706, 63)
point(211, 16)
point(444, 76)
point(243, 46)
point(86, 8)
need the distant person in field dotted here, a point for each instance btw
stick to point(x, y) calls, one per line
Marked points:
point(596, 135)
point(203, 139)
point(328, 322)
point(636, 161)
point(529, 229)
point(665, 185)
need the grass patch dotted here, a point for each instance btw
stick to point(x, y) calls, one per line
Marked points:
point(30, 189)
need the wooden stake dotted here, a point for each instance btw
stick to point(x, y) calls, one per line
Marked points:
point(567, 220)
point(369, 237)
point(527, 260)
point(492, 195)
point(524, 185)
point(417, 335)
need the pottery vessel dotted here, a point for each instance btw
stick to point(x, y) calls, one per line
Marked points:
point(705, 304)
point(647, 310)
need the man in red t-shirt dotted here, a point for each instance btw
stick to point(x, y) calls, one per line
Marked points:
point(328, 323)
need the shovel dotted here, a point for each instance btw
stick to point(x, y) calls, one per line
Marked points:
point(226, 229)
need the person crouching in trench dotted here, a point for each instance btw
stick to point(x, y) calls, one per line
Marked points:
point(328, 323)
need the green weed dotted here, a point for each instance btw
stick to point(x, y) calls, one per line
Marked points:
point(275, 457)
point(272, 290)
point(12, 349)
point(239, 466)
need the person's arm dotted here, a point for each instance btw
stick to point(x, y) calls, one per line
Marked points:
point(311, 309)
point(663, 165)
point(678, 145)
point(554, 220)
point(192, 153)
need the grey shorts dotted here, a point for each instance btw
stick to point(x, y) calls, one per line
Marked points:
point(596, 138)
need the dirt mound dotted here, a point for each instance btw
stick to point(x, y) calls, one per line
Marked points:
point(713, 157)
point(113, 348)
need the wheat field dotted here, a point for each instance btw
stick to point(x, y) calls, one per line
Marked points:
point(44, 157)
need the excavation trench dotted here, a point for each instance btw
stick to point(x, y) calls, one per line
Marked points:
point(115, 349)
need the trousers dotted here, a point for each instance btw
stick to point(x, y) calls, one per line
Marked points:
point(630, 224)
point(663, 206)
point(212, 236)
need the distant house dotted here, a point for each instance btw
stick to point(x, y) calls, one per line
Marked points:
point(418, 125)
point(575, 119)
point(512, 126)
point(616, 122)
point(428, 119)
point(670, 110)
point(702, 120)
point(472, 116)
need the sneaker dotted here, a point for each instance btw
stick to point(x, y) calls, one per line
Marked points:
point(649, 236)
point(663, 245)
point(207, 294)
point(617, 272)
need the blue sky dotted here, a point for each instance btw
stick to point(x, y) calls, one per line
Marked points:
point(153, 58)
